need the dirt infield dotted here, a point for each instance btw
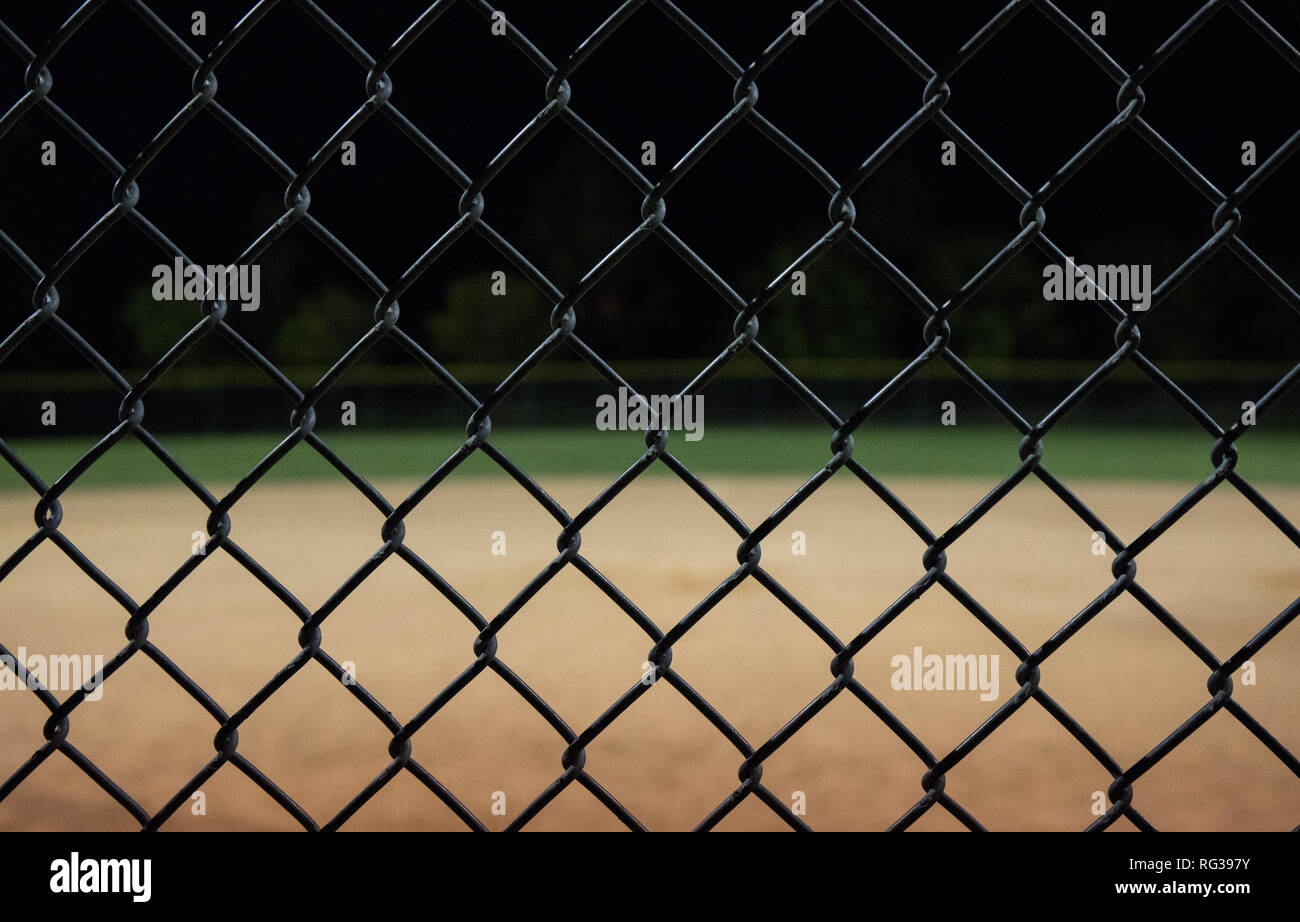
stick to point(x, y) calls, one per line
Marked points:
point(1223, 571)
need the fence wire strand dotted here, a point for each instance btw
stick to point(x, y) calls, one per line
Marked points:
point(935, 321)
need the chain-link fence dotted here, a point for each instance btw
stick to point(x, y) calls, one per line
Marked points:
point(934, 320)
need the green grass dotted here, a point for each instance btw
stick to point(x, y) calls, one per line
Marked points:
point(1142, 454)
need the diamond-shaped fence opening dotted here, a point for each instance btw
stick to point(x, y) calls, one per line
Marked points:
point(404, 322)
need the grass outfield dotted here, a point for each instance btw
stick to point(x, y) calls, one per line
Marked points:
point(1120, 454)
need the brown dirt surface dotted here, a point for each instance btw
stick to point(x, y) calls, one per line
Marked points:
point(1223, 571)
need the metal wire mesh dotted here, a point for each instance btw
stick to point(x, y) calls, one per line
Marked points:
point(935, 318)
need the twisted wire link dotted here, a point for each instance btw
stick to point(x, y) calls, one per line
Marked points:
point(841, 212)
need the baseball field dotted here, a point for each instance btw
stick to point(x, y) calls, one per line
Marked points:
point(1223, 571)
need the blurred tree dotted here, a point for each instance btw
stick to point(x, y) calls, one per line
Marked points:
point(472, 324)
point(320, 326)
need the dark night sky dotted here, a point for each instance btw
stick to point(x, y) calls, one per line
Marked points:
point(1031, 97)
